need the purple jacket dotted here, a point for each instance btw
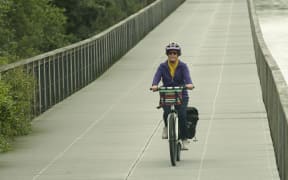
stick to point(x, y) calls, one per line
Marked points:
point(181, 77)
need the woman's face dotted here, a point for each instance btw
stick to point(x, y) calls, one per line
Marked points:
point(172, 56)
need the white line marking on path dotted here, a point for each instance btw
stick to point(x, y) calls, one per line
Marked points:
point(215, 99)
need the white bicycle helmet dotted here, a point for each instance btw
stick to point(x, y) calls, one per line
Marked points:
point(173, 46)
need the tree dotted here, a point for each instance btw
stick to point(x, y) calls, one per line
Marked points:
point(6, 34)
point(89, 17)
point(30, 27)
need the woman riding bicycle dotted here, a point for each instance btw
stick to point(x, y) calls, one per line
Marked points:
point(174, 72)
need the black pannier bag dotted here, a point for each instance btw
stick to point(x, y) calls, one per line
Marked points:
point(192, 119)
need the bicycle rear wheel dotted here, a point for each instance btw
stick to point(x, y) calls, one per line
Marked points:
point(172, 139)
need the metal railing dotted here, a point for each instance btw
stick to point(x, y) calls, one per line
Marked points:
point(274, 92)
point(62, 72)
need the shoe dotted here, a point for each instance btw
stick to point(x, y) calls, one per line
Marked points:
point(185, 143)
point(165, 133)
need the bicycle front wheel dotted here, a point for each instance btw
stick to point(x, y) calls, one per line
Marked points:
point(178, 158)
point(172, 138)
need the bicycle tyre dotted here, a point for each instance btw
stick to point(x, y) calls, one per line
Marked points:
point(172, 139)
point(178, 151)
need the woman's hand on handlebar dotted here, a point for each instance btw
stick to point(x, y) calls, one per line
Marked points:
point(154, 88)
point(190, 86)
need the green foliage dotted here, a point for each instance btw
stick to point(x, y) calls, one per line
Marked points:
point(38, 26)
point(3, 60)
point(6, 115)
point(89, 17)
point(30, 27)
point(21, 90)
point(85, 17)
point(6, 34)
point(4, 144)
point(15, 106)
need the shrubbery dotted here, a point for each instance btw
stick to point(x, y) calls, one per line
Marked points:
point(16, 95)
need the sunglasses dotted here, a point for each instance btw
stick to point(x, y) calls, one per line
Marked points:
point(172, 52)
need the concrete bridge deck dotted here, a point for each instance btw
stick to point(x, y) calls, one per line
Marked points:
point(111, 130)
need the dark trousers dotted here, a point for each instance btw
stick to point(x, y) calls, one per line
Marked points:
point(182, 117)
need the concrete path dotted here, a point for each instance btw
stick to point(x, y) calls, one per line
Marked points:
point(111, 130)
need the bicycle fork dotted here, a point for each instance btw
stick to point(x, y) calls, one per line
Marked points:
point(175, 123)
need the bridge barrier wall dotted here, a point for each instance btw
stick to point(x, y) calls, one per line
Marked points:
point(62, 72)
point(274, 92)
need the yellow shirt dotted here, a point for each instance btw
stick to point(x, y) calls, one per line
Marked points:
point(172, 67)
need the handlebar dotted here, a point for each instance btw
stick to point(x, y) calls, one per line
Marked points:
point(172, 88)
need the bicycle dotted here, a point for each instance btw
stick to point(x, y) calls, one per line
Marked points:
point(171, 96)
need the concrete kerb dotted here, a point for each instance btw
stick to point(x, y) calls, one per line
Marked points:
point(275, 91)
